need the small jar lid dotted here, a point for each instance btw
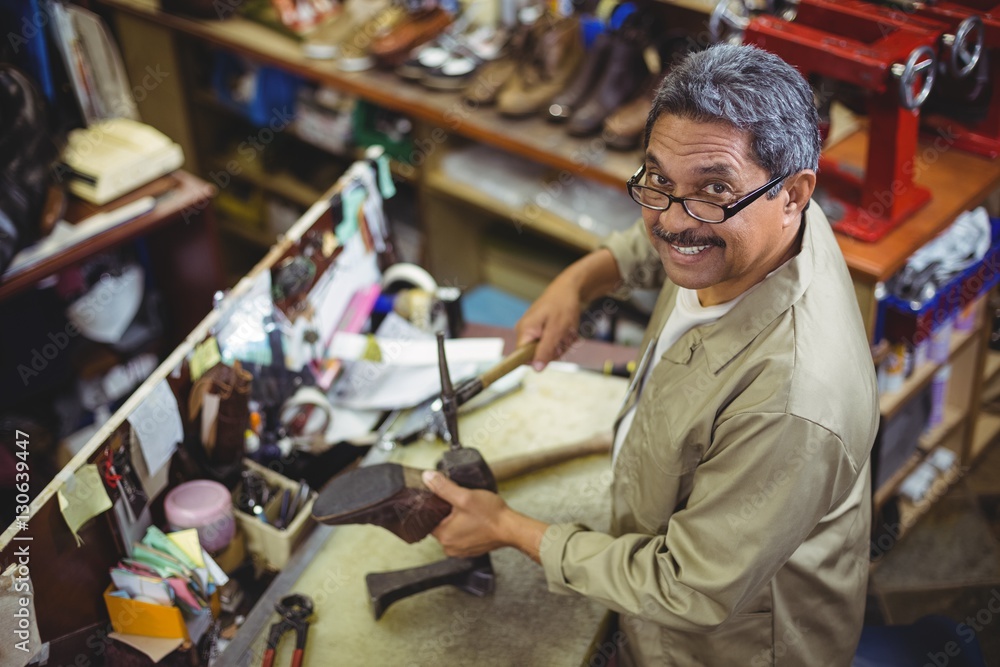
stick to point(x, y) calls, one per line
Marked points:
point(197, 503)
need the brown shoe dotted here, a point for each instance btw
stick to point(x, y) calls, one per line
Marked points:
point(486, 84)
point(394, 497)
point(393, 48)
point(621, 81)
point(624, 128)
point(547, 66)
point(586, 79)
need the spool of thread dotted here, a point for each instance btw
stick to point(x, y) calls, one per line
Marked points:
point(206, 506)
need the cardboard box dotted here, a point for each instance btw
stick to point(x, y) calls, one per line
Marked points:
point(268, 545)
point(134, 617)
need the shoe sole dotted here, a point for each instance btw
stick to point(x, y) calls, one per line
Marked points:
point(388, 495)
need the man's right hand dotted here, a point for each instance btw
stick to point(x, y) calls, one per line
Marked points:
point(554, 319)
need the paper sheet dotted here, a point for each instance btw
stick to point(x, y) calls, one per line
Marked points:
point(157, 423)
point(138, 586)
point(83, 497)
point(154, 647)
point(382, 386)
point(397, 352)
point(187, 541)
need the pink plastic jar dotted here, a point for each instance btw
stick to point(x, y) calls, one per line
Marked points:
point(206, 506)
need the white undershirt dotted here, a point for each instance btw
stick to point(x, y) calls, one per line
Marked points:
point(687, 314)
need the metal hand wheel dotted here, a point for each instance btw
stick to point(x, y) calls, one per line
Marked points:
point(921, 62)
point(965, 47)
point(728, 22)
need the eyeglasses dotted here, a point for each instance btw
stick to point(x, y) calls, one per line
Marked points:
point(699, 209)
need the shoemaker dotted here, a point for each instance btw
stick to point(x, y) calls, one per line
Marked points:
point(741, 490)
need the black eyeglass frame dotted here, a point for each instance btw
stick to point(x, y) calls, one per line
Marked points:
point(728, 211)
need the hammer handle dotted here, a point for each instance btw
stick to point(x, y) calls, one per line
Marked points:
point(514, 466)
point(521, 355)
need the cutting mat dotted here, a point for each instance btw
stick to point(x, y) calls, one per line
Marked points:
point(521, 623)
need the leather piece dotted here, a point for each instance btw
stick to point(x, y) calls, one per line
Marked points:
point(621, 79)
point(547, 63)
point(583, 83)
point(393, 47)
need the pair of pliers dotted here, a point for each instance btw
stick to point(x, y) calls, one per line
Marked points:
point(295, 611)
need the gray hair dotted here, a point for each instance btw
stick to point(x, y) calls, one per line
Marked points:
point(750, 89)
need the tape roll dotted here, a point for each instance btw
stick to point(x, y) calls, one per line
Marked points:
point(409, 275)
point(315, 440)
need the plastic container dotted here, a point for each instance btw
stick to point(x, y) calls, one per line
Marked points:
point(269, 546)
point(939, 397)
point(206, 506)
point(940, 347)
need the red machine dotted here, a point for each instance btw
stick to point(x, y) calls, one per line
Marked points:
point(891, 55)
point(978, 27)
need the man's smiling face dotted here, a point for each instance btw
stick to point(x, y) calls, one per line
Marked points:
point(713, 161)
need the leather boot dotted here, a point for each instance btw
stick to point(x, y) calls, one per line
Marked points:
point(548, 65)
point(494, 75)
point(394, 496)
point(586, 79)
point(621, 80)
point(624, 128)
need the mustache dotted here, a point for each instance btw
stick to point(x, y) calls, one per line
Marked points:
point(686, 238)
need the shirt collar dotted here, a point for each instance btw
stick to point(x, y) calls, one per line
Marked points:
point(771, 298)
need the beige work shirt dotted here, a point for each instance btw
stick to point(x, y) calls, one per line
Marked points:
point(741, 495)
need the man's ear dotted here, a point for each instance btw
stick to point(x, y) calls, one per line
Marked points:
point(800, 187)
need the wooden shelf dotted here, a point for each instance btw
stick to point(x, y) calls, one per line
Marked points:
point(533, 138)
point(178, 192)
point(279, 183)
point(549, 224)
point(958, 180)
point(986, 430)
point(953, 417)
point(891, 402)
point(258, 237)
point(992, 366)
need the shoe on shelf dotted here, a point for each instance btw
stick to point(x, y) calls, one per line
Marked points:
point(391, 47)
point(323, 42)
point(492, 76)
point(623, 129)
point(394, 496)
point(621, 80)
point(469, 53)
point(422, 59)
point(547, 64)
point(586, 79)
point(355, 50)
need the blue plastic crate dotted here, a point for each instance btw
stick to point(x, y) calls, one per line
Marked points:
point(273, 91)
point(900, 321)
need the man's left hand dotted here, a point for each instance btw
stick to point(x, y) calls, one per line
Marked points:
point(480, 521)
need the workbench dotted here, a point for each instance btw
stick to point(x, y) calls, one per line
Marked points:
point(520, 623)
